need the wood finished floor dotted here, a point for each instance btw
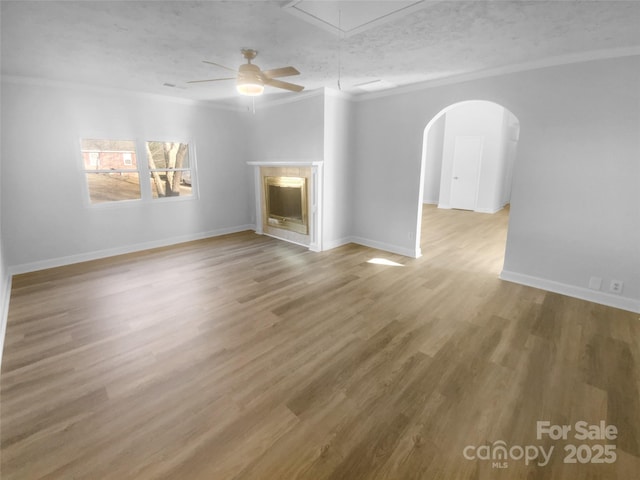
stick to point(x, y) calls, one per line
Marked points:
point(244, 357)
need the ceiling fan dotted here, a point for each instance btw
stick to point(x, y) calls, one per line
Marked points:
point(250, 80)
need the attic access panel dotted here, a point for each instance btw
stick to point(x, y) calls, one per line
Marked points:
point(351, 17)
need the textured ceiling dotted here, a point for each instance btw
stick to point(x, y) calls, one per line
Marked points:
point(142, 45)
point(349, 18)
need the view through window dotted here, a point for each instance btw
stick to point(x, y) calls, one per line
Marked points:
point(170, 169)
point(113, 172)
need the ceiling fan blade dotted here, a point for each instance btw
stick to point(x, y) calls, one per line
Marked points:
point(280, 72)
point(212, 80)
point(286, 85)
point(221, 66)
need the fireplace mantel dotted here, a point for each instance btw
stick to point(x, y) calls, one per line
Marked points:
point(284, 168)
point(269, 163)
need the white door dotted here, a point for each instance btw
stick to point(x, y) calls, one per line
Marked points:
point(467, 153)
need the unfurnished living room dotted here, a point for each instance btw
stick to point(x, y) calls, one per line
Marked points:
point(320, 240)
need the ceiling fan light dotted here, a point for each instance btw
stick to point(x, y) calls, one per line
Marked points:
point(250, 82)
point(249, 88)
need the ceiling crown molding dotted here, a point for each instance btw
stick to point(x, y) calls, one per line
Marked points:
point(494, 72)
point(49, 83)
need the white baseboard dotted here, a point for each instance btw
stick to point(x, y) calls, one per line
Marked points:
point(488, 210)
point(331, 244)
point(311, 247)
point(407, 252)
point(110, 252)
point(445, 206)
point(610, 300)
point(4, 311)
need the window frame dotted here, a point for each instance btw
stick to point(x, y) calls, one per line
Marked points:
point(192, 169)
point(92, 171)
point(141, 169)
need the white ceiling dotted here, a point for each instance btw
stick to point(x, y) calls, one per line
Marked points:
point(349, 18)
point(143, 45)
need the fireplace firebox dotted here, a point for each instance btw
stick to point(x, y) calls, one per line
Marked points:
point(286, 203)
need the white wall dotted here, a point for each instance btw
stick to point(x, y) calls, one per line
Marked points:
point(483, 119)
point(576, 201)
point(388, 148)
point(433, 161)
point(511, 132)
point(312, 127)
point(5, 280)
point(575, 206)
point(338, 128)
point(5, 293)
point(46, 219)
point(290, 130)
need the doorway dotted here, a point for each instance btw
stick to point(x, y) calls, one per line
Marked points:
point(467, 159)
point(468, 155)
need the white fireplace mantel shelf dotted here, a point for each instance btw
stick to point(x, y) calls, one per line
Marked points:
point(267, 163)
point(315, 197)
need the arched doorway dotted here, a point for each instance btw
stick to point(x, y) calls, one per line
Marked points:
point(468, 155)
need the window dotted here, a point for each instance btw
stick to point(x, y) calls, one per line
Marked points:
point(113, 172)
point(109, 177)
point(170, 169)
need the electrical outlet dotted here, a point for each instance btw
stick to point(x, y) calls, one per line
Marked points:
point(616, 286)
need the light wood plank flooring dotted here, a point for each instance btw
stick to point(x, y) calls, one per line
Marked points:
point(244, 357)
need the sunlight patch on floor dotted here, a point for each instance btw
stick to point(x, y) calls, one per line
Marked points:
point(384, 261)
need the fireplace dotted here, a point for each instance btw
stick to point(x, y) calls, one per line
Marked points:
point(286, 203)
point(288, 197)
